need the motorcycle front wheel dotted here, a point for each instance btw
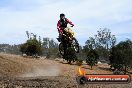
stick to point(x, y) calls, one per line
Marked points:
point(75, 45)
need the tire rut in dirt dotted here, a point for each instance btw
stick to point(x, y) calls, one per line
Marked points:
point(40, 82)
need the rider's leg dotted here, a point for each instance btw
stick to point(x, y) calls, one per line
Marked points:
point(59, 38)
point(64, 45)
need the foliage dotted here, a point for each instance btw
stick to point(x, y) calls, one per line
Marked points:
point(12, 49)
point(79, 62)
point(105, 39)
point(90, 43)
point(121, 55)
point(92, 58)
point(50, 47)
point(48, 55)
point(102, 42)
point(70, 55)
point(32, 46)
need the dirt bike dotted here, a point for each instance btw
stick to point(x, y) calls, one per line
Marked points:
point(68, 40)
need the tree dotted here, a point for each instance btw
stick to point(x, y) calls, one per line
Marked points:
point(23, 48)
point(45, 43)
point(27, 33)
point(105, 38)
point(32, 47)
point(121, 56)
point(102, 43)
point(81, 55)
point(12, 49)
point(90, 43)
point(92, 58)
point(70, 55)
point(50, 47)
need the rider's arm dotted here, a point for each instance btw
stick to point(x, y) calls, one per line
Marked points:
point(69, 22)
point(58, 27)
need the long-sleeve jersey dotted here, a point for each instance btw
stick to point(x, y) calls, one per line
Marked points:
point(61, 25)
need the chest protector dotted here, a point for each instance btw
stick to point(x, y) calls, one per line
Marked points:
point(63, 23)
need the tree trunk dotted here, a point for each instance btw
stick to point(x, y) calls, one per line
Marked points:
point(69, 61)
point(125, 69)
point(91, 67)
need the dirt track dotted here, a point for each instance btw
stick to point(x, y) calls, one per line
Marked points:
point(19, 72)
point(53, 82)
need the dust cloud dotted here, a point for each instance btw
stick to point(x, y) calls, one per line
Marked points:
point(42, 71)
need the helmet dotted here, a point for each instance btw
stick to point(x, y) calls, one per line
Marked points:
point(62, 14)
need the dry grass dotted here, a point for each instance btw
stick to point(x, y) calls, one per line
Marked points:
point(29, 72)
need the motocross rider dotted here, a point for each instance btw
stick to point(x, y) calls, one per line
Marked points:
point(62, 24)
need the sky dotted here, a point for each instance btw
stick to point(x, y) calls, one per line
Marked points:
point(41, 16)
